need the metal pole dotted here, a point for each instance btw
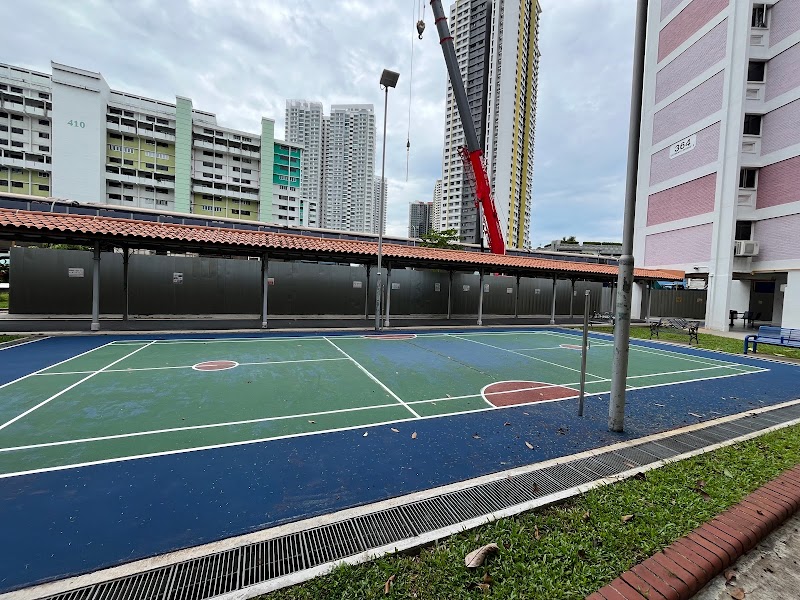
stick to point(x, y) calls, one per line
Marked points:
point(388, 294)
point(450, 296)
point(622, 330)
point(480, 299)
point(380, 217)
point(572, 300)
point(584, 351)
point(516, 301)
point(649, 297)
point(265, 289)
point(553, 305)
point(366, 296)
point(96, 289)
point(125, 306)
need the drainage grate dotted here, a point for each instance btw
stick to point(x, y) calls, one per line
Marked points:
point(232, 570)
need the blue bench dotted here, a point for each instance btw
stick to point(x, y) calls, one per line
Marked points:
point(775, 336)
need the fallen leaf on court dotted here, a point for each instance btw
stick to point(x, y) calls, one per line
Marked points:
point(696, 415)
point(626, 518)
point(395, 430)
point(585, 516)
point(448, 395)
point(729, 575)
point(312, 421)
point(388, 585)
point(414, 435)
point(506, 424)
point(526, 414)
point(366, 433)
point(476, 557)
point(660, 405)
point(529, 445)
point(476, 436)
point(737, 594)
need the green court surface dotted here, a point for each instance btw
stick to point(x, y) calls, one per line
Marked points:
point(140, 398)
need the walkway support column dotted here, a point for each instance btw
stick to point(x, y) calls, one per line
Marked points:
point(553, 306)
point(125, 260)
point(480, 299)
point(649, 297)
point(366, 297)
point(96, 288)
point(388, 294)
point(572, 299)
point(264, 289)
point(450, 296)
point(516, 300)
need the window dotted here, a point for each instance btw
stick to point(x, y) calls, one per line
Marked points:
point(16, 118)
point(44, 122)
point(755, 71)
point(149, 165)
point(16, 130)
point(44, 148)
point(747, 178)
point(44, 188)
point(16, 184)
point(128, 162)
point(206, 207)
point(44, 174)
point(16, 144)
point(752, 124)
point(208, 154)
point(44, 135)
point(744, 230)
point(115, 136)
point(162, 168)
point(759, 19)
point(207, 164)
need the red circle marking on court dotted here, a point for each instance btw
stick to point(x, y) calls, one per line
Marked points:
point(215, 365)
point(392, 336)
point(511, 393)
point(571, 346)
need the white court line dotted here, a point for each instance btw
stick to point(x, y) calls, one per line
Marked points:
point(53, 365)
point(662, 352)
point(12, 345)
point(525, 355)
point(375, 379)
point(244, 364)
point(315, 338)
point(65, 390)
point(348, 428)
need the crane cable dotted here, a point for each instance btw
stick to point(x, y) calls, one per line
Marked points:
point(420, 26)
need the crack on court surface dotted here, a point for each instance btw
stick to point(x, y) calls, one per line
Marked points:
point(215, 365)
point(513, 393)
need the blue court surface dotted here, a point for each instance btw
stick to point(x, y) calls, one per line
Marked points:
point(114, 449)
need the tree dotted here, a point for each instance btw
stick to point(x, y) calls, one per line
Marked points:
point(569, 240)
point(441, 239)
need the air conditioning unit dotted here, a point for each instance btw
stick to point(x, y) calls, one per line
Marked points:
point(745, 248)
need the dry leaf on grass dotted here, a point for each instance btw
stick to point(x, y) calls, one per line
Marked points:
point(626, 518)
point(585, 516)
point(737, 594)
point(487, 578)
point(414, 435)
point(387, 587)
point(476, 557)
point(484, 587)
point(536, 533)
point(529, 445)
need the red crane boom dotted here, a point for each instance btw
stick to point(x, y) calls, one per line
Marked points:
point(483, 190)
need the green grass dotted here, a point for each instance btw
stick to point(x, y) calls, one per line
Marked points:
point(710, 342)
point(8, 338)
point(4, 300)
point(572, 549)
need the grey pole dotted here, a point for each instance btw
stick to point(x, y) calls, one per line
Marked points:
point(450, 296)
point(480, 299)
point(553, 305)
point(572, 299)
point(388, 294)
point(366, 296)
point(649, 298)
point(622, 330)
point(96, 289)
point(125, 306)
point(265, 289)
point(516, 301)
point(584, 351)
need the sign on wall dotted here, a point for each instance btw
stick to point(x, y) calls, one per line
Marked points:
point(509, 290)
point(437, 287)
point(682, 147)
point(357, 285)
point(177, 278)
point(75, 272)
point(465, 288)
point(395, 286)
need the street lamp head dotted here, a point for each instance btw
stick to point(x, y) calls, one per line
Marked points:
point(389, 78)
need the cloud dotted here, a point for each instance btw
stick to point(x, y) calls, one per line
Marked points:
point(242, 59)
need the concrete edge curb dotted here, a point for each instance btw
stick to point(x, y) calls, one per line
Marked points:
point(684, 567)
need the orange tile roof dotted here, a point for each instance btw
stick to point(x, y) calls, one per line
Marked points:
point(121, 230)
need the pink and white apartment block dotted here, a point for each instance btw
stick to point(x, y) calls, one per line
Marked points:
point(719, 167)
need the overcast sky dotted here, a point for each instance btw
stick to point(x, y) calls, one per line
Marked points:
point(242, 59)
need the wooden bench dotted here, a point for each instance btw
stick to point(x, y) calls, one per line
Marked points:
point(690, 327)
point(775, 336)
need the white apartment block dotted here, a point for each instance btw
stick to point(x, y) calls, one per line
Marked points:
point(719, 168)
point(487, 34)
point(349, 203)
point(437, 204)
point(304, 127)
point(376, 191)
point(69, 135)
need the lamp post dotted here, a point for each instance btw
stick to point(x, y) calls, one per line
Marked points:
point(388, 79)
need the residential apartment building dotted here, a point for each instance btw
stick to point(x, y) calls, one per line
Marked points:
point(420, 219)
point(437, 204)
point(349, 179)
point(69, 135)
point(489, 34)
point(719, 169)
point(377, 189)
point(304, 126)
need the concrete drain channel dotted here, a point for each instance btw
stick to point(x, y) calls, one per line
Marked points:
point(297, 552)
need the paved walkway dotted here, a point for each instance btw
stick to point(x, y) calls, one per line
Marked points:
point(688, 564)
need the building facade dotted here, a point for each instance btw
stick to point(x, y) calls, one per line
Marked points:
point(420, 219)
point(303, 123)
point(719, 168)
point(69, 135)
point(349, 181)
point(489, 34)
point(437, 204)
point(377, 189)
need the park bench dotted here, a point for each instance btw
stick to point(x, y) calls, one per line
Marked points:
point(775, 336)
point(678, 324)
